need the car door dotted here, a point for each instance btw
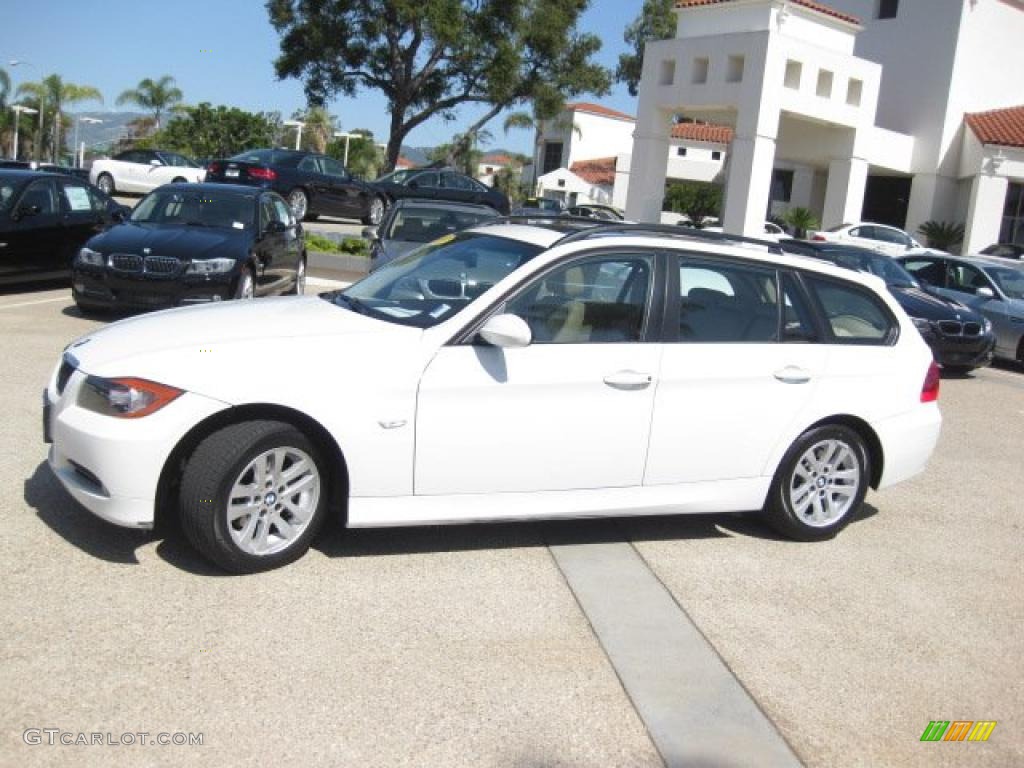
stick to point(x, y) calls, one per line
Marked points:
point(34, 244)
point(292, 236)
point(313, 178)
point(82, 216)
point(125, 170)
point(963, 282)
point(736, 372)
point(458, 187)
point(347, 197)
point(571, 410)
point(271, 255)
point(426, 185)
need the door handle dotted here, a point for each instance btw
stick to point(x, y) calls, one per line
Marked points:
point(792, 375)
point(628, 380)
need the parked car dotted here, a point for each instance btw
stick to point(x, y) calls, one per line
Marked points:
point(193, 244)
point(595, 211)
point(44, 219)
point(411, 222)
point(33, 165)
point(506, 372)
point(1004, 250)
point(440, 184)
point(992, 286)
point(961, 338)
point(546, 204)
point(143, 170)
point(878, 237)
point(771, 232)
point(314, 185)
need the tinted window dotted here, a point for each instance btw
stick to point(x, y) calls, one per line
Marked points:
point(455, 181)
point(966, 279)
point(853, 314)
point(267, 213)
point(928, 271)
point(1010, 281)
point(266, 157)
point(797, 318)
point(333, 167)
point(311, 164)
point(131, 156)
point(429, 180)
point(423, 224)
point(178, 161)
point(723, 303)
point(599, 300)
point(886, 235)
point(195, 208)
point(41, 195)
point(284, 213)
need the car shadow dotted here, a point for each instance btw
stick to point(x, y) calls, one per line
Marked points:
point(80, 528)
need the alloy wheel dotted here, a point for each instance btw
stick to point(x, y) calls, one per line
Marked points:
point(824, 483)
point(298, 203)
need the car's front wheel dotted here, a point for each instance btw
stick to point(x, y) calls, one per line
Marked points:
point(820, 484)
point(253, 496)
point(245, 288)
point(375, 213)
point(300, 279)
point(298, 201)
point(106, 183)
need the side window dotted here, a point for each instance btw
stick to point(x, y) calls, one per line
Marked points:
point(454, 181)
point(929, 271)
point(598, 300)
point(80, 198)
point(132, 156)
point(967, 279)
point(41, 195)
point(267, 213)
point(797, 318)
point(859, 232)
point(310, 164)
point(853, 314)
point(332, 167)
point(428, 180)
point(725, 303)
point(284, 213)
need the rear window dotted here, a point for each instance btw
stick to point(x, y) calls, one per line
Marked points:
point(421, 224)
point(853, 313)
point(264, 157)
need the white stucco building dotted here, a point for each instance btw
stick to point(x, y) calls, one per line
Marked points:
point(859, 109)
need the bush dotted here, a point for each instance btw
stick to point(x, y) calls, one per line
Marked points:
point(353, 246)
point(801, 220)
point(694, 199)
point(942, 235)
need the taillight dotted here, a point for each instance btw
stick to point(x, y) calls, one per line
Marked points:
point(930, 390)
point(267, 174)
point(819, 238)
point(213, 168)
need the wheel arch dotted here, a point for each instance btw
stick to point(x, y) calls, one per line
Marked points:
point(166, 507)
point(874, 445)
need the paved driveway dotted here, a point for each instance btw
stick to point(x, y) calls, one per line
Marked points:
point(475, 646)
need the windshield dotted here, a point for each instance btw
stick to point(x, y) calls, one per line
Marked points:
point(1010, 281)
point(436, 281)
point(229, 211)
point(398, 177)
point(417, 224)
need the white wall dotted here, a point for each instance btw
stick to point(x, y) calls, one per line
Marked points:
point(563, 184)
point(598, 137)
point(698, 164)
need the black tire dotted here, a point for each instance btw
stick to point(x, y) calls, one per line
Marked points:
point(957, 370)
point(312, 217)
point(106, 184)
point(375, 213)
point(298, 201)
point(780, 510)
point(179, 180)
point(299, 288)
point(240, 286)
point(87, 308)
point(206, 485)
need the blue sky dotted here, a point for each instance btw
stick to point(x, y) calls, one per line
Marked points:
point(222, 51)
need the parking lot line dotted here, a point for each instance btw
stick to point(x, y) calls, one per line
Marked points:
point(32, 303)
point(694, 708)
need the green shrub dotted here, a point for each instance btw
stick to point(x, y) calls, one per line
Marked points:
point(942, 235)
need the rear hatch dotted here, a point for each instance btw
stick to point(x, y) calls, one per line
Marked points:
point(239, 172)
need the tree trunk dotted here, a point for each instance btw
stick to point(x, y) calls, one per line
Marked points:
point(396, 135)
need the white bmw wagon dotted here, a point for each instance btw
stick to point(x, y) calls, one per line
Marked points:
point(512, 371)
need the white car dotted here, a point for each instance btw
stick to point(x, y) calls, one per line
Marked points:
point(771, 231)
point(142, 170)
point(878, 237)
point(507, 372)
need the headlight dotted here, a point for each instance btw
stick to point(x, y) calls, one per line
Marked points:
point(924, 326)
point(986, 324)
point(125, 398)
point(91, 257)
point(210, 266)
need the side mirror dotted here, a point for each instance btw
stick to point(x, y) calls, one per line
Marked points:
point(275, 228)
point(371, 234)
point(509, 331)
point(120, 214)
point(154, 162)
point(984, 292)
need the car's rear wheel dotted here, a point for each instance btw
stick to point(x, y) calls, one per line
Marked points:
point(253, 496)
point(179, 180)
point(820, 484)
point(246, 288)
point(300, 278)
point(106, 183)
point(299, 203)
point(375, 212)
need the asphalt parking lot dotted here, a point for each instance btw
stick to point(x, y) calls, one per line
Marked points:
point(501, 645)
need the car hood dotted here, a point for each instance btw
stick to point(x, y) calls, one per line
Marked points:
point(227, 350)
point(179, 241)
point(929, 306)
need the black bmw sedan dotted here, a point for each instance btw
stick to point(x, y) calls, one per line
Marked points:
point(961, 339)
point(314, 185)
point(440, 184)
point(44, 219)
point(193, 243)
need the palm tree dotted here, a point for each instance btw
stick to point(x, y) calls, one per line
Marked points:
point(801, 220)
point(155, 96)
point(5, 88)
point(53, 93)
point(319, 128)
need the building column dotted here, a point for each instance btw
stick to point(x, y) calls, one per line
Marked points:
point(985, 212)
point(748, 185)
point(844, 193)
point(648, 166)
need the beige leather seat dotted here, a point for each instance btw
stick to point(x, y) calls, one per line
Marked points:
point(567, 324)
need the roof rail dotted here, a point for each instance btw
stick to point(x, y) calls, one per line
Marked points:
point(685, 233)
point(542, 219)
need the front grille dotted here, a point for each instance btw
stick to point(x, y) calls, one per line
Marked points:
point(972, 329)
point(162, 265)
point(63, 374)
point(126, 262)
point(951, 327)
point(144, 299)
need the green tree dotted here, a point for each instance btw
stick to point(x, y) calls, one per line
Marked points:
point(53, 94)
point(154, 96)
point(657, 21)
point(802, 220)
point(364, 156)
point(429, 57)
point(205, 131)
point(5, 88)
point(694, 199)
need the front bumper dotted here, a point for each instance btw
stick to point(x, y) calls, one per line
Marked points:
point(102, 286)
point(112, 466)
point(960, 350)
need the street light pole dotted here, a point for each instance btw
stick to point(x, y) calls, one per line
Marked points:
point(298, 125)
point(78, 121)
point(18, 109)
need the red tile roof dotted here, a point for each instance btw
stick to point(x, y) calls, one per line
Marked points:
point(1000, 126)
point(717, 134)
point(811, 4)
point(597, 109)
point(404, 162)
point(496, 160)
point(599, 172)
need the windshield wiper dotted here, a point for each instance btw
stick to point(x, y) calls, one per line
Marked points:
point(356, 305)
point(197, 223)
